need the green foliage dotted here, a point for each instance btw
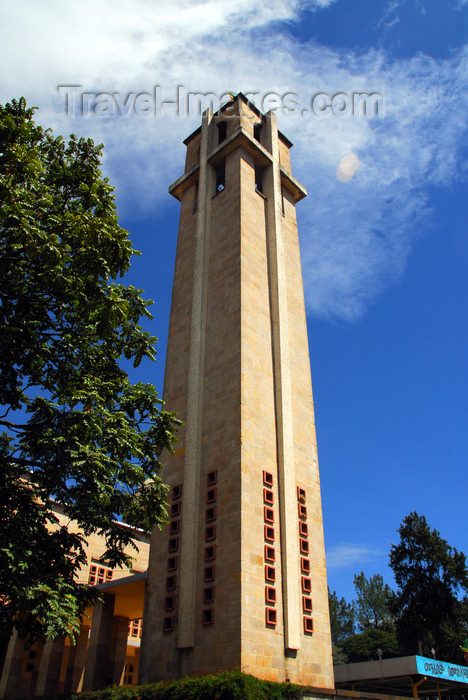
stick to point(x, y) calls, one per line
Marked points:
point(76, 431)
point(364, 646)
point(431, 604)
point(228, 685)
point(342, 618)
point(372, 603)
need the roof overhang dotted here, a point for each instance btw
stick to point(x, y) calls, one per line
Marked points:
point(400, 676)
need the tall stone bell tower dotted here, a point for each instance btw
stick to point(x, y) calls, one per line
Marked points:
point(237, 579)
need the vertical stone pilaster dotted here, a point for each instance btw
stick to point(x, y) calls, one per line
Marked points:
point(77, 662)
point(118, 648)
point(189, 541)
point(12, 667)
point(283, 401)
point(49, 669)
point(97, 673)
point(20, 668)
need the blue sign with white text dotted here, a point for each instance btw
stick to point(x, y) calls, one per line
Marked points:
point(441, 669)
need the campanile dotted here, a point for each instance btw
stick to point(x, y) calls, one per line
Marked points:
point(237, 579)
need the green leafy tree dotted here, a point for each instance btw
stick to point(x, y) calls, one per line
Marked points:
point(75, 430)
point(342, 621)
point(372, 603)
point(431, 605)
point(366, 645)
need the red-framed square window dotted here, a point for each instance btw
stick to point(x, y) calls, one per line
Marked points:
point(208, 616)
point(268, 496)
point(169, 603)
point(210, 514)
point(212, 478)
point(270, 573)
point(305, 565)
point(168, 623)
point(92, 575)
point(208, 595)
point(303, 529)
point(306, 584)
point(99, 574)
point(269, 533)
point(270, 595)
point(209, 573)
point(172, 564)
point(173, 544)
point(306, 604)
point(176, 492)
point(268, 514)
point(303, 546)
point(308, 625)
point(174, 527)
point(134, 628)
point(302, 510)
point(270, 617)
point(210, 532)
point(267, 478)
point(171, 582)
point(270, 554)
point(175, 509)
point(211, 495)
point(210, 552)
point(301, 495)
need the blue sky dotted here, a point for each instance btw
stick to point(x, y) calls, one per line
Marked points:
point(384, 253)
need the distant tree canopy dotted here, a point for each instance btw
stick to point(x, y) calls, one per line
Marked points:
point(342, 618)
point(428, 611)
point(75, 429)
point(431, 605)
point(372, 603)
point(367, 645)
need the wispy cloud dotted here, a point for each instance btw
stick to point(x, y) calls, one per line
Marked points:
point(346, 555)
point(390, 14)
point(355, 236)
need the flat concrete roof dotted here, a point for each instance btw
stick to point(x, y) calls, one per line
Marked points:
point(129, 594)
point(403, 676)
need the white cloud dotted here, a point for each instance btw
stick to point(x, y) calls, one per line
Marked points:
point(345, 555)
point(355, 236)
point(390, 14)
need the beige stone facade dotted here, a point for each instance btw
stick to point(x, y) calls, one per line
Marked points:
point(58, 666)
point(238, 579)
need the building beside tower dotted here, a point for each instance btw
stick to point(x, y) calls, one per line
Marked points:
point(238, 578)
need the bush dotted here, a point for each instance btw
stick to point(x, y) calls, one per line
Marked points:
point(229, 685)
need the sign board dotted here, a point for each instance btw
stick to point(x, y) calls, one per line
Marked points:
point(441, 669)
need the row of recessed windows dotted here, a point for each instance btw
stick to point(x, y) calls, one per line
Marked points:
point(173, 558)
point(134, 628)
point(271, 615)
point(221, 184)
point(306, 584)
point(99, 574)
point(128, 673)
point(222, 131)
point(220, 174)
point(221, 169)
point(31, 661)
point(221, 180)
point(209, 555)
